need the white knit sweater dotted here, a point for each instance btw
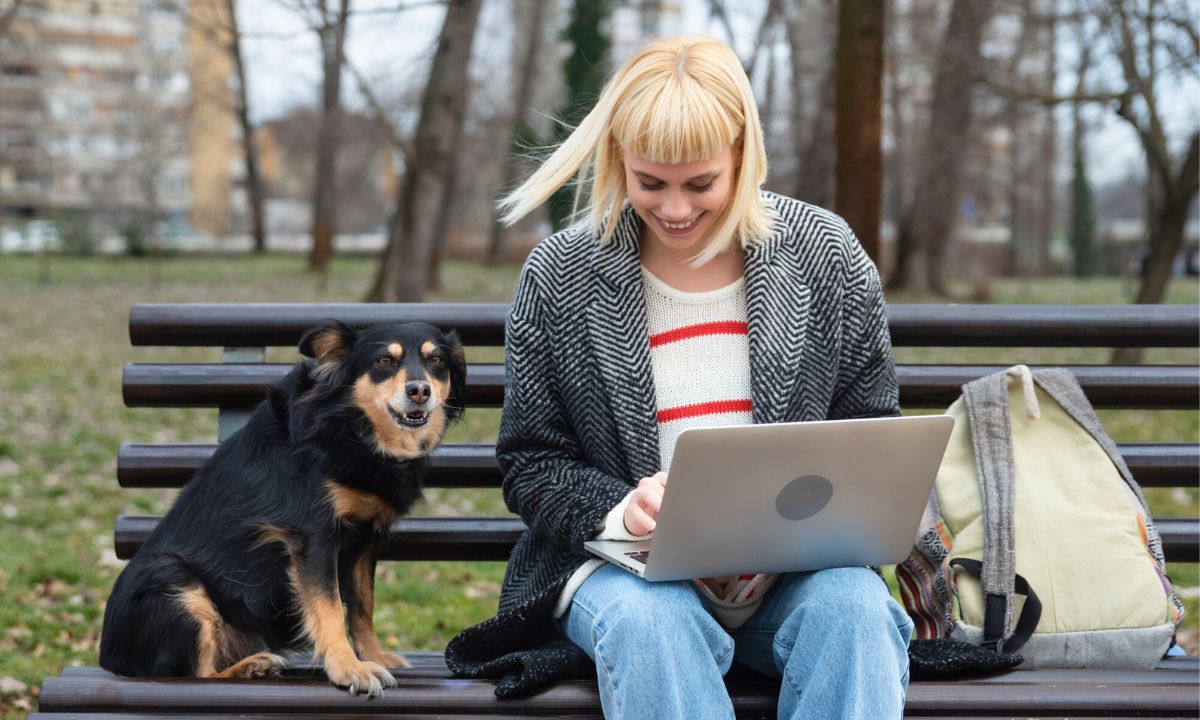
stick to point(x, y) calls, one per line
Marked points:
point(700, 354)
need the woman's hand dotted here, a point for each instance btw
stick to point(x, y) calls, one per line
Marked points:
point(641, 514)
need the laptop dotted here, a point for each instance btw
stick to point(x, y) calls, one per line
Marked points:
point(789, 497)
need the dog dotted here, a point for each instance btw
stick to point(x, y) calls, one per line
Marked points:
point(271, 548)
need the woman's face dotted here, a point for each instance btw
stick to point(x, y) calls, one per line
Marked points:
point(680, 203)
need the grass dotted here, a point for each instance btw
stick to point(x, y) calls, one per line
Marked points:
point(62, 346)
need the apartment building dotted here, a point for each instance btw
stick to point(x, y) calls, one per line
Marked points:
point(116, 111)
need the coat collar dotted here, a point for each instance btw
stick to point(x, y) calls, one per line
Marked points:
point(777, 309)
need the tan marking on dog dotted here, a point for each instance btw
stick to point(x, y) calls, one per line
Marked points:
point(328, 347)
point(195, 602)
point(268, 533)
point(356, 506)
point(397, 351)
point(390, 438)
point(217, 644)
point(324, 623)
point(427, 348)
point(362, 618)
point(258, 665)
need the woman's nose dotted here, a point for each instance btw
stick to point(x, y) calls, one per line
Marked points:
point(675, 208)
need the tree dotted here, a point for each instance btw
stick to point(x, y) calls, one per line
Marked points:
point(859, 119)
point(927, 224)
point(332, 33)
point(521, 135)
point(421, 202)
point(254, 185)
point(813, 100)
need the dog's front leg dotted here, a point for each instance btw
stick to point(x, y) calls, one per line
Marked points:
point(359, 594)
point(315, 577)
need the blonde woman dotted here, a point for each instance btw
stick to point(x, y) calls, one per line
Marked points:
point(688, 297)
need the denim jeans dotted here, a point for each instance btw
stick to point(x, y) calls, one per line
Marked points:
point(836, 638)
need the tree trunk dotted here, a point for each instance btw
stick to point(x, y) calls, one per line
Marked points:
point(403, 272)
point(526, 72)
point(324, 205)
point(813, 140)
point(254, 189)
point(929, 223)
point(859, 119)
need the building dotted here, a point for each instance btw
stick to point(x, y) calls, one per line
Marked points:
point(115, 112)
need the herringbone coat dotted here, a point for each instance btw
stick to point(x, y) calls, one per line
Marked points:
point(579, 426)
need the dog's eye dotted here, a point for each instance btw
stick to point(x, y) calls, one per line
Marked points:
point(436, 361)
point(385, 361)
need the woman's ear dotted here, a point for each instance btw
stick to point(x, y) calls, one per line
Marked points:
point(329, 342)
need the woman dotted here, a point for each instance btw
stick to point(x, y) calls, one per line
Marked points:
point(691, 297)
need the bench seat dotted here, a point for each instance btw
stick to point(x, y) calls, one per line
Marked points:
point(427, 690)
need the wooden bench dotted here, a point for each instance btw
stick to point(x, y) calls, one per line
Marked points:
point(427, 690)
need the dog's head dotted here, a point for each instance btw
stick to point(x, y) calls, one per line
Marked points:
point(408, 380)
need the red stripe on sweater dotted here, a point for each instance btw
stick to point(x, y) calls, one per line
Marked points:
point(708, 408)
point(724, 327)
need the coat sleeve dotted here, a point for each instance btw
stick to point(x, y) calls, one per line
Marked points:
point(866, 383)
point(547, 480)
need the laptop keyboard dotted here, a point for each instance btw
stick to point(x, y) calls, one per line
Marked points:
point(639, 555)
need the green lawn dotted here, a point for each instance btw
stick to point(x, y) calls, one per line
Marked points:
point(62, 346)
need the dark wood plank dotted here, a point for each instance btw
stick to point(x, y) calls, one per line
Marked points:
point(164, 465)
point(483, 324)
point(492, 538)
point(141, 465)
point(752, 694)
point(921, 386)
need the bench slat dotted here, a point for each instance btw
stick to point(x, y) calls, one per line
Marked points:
point(168, 465)
point(282, 324)
point(173, 464)
point(921, 386)
point(492, 538)
point(751, 693)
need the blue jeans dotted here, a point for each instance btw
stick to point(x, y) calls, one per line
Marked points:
point(836, 638)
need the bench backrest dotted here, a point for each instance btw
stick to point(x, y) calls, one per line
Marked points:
point(245, 331)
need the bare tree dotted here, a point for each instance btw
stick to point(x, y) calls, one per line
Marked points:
point(859, 119)
point(254, 186)
point(8, 12)
point(421, 202)
point(525, 72)
point(812, 99)
point(1149, 40)
point(927, 224)
point(332, 33)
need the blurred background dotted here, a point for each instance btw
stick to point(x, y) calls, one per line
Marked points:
point(1019, 137)
point(1015, 151)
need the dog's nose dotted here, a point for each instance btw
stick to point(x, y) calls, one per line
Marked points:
point(418, 392)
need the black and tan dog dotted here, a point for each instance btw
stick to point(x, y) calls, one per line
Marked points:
point(272, 546)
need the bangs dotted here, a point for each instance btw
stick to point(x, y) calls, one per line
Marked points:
point(676, 121)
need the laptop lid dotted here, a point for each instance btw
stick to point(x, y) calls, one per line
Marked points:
point(795, 496)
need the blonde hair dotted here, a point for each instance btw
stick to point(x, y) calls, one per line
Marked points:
point(677, 100)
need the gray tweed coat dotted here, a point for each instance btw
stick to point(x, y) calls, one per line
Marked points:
point(578, 429)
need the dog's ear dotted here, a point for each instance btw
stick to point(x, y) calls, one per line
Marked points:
point(457, 401)
point(329, 342)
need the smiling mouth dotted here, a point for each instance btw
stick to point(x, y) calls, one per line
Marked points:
point(412, 420)
point(679, 228)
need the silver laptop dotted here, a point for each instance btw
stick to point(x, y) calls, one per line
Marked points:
point(789, 497)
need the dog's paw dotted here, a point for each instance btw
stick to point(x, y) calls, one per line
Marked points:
point(361, 678)
point(390, 660)
point(263, 665)
point(259, 665)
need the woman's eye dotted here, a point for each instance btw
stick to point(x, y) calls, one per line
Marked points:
point(648, 187)
point(385, 361)
point(704, 188)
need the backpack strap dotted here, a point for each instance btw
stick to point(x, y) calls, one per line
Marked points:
point(986, 402)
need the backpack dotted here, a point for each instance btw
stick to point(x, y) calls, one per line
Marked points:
point(1036, 536)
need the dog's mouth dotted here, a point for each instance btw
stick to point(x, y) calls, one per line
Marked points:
point(412, 419)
